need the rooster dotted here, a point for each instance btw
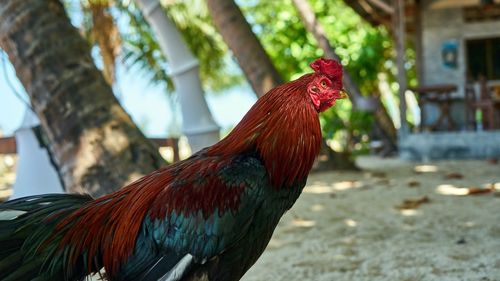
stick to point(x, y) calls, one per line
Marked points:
point(208, 217)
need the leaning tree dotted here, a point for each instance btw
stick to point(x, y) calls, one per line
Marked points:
point(94, 142)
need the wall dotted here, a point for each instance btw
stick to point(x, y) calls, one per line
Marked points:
point(451, 145)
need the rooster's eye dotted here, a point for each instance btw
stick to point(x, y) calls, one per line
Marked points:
point(323, 83)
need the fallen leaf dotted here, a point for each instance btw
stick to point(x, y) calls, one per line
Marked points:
point(413, 203)
point(378, 174)
point(413, 183)
point(454, 176)
point(478, 190)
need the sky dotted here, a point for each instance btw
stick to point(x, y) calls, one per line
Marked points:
point(146, 103)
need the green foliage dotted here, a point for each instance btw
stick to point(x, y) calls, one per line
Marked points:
point(195, 25)
point(347, 127)
point(362, 48)
point(140, 47)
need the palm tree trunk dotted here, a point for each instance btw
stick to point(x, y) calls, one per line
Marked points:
point(382, 118)
point(93, 140)
point(238, 35)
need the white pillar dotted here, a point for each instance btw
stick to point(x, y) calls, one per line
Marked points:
point(399, 30)
point(198, 124)
point(35, 174)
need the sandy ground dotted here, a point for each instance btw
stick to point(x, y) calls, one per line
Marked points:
point(347, 226)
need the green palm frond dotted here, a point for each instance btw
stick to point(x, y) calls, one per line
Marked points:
point(100, 29)
point(140, 47)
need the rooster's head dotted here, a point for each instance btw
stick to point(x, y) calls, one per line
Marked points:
point(326, 86)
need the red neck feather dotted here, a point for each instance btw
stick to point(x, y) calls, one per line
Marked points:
point(283, 127)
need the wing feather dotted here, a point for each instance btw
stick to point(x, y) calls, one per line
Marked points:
point(204, 236)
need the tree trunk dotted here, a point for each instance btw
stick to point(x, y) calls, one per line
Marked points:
point(238, 35)
point(382, 118)
point(95, 143)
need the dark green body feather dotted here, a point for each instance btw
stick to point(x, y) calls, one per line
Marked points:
point(223, 245)
point(23, 254)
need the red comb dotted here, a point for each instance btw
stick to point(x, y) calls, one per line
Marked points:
point(328, 67)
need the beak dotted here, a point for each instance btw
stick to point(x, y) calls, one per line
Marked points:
point(343, 94)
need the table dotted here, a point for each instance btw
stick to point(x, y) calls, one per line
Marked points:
point(440, 95)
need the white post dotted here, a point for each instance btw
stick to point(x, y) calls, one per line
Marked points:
point(35, 174)
point(399, 34)
point(198, 124)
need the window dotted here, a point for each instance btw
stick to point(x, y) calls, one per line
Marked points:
point(483, 58)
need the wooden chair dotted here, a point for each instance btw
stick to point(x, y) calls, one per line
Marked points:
point(483, 102)
point(440, 95)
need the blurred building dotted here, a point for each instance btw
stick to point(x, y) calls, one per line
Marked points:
point(457, 48)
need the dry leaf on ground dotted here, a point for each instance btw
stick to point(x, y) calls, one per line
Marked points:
point(454, 176)
point(478, 190)
point(413, 203)
point(378, 174)
point(413, 183)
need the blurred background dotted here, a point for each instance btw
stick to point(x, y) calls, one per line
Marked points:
point(99, 92)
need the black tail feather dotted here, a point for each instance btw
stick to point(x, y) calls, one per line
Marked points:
point(25, 224)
